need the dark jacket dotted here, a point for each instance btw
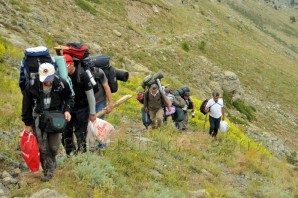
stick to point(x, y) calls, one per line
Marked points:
point(61, 99)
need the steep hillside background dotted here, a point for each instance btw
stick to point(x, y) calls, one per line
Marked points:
point(193, 43)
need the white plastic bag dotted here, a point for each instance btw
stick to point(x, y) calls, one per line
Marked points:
point(223, 127)
point(99, 130)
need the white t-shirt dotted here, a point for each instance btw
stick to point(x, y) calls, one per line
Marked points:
point(215, 107)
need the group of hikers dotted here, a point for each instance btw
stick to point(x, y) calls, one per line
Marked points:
point(157, 108)
point(52, 107)
point(56, 108)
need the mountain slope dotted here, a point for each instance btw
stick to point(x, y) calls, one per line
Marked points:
point(190, 43)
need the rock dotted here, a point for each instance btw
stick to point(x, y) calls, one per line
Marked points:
point(117, 33)
point(47, 193)
point(6, 180)
point(2, 193)
point(5, 174)
point(155, 9)
point(3, 189)
point(198, 193)
point(14, 181)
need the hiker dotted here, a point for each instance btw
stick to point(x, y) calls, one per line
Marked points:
point(171, 99)
point(83, 110)
point(48, 96)
point(154, 104)
point(102, 93)
point(215, 107)
point(189, 105)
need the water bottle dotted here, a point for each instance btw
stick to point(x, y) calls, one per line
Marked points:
point(91, 77)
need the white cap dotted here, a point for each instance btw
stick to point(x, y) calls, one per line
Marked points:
point(46, 72)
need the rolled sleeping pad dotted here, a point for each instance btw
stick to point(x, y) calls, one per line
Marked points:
point(165, 98)
point(155, 76)
point(122, 75)
point(181, 91)
point(62, 69)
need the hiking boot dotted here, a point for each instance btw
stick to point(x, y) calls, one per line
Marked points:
point(47, 177)
point(101, 146)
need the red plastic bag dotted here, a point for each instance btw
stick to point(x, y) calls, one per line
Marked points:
point(30, 150)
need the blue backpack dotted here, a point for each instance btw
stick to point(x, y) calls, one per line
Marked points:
point(34, 57)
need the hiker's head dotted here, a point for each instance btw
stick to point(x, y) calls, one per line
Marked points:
point(153, 88)
point(69, 63)
point(215, 95)
point(186, 95)
point(167, 91)
point(46, 72)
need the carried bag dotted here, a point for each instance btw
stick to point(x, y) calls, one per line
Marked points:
point(52, 122)
point(145, 118)
point(223, 126)
point(179, 115)
point(101, 129)
point(173, 110)
point(30, 150)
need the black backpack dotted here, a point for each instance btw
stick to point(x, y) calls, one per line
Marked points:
point(103, 62)
point(33, 58)
point(202, 107)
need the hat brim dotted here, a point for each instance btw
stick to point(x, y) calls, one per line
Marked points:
point(44, 78)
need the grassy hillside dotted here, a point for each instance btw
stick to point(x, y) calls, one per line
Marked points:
point(187, 42)
point(168, 163)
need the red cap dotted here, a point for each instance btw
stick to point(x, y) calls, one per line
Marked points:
point(68, 58)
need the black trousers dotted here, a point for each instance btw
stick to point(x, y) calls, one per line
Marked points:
point(214, 125)
point(78, 126)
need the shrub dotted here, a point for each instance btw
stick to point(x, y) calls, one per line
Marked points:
point(245, 109)
point(292, 19)
point(185, 46)
point(86, 6)
point(202, 45)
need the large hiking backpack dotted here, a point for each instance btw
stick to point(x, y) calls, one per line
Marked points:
point(202, 107)
point(103, 62)
point(77, 50)
point(181, 91)
point(33, 58)
point(151, 79)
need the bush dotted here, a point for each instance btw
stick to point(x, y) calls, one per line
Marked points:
point(202, 45)
point(185, 46)
point(292, 19)
point(86, 6)
point(244, 109)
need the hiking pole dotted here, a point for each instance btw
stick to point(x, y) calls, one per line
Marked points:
point(116, 104)
point(205, 121)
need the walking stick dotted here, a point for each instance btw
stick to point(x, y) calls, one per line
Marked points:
point(205, 121)
point(116, 104)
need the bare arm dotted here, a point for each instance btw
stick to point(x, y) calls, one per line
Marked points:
point(109, 97)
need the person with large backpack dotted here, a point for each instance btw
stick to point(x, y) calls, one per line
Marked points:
point(215, 107)
point(33, 58)
point(102, 92)
point(45, 111)
point(84, 108)
point(154, 104)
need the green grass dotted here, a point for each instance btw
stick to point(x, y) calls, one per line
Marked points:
point(171, 164)
point(86, 6)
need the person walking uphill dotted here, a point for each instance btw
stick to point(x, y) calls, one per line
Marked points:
point(84, 108)
point(49, 96)
point(154, 104)
point(216, 108)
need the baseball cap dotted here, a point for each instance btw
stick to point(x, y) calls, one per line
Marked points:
point(46, 72)
point(68, 58)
